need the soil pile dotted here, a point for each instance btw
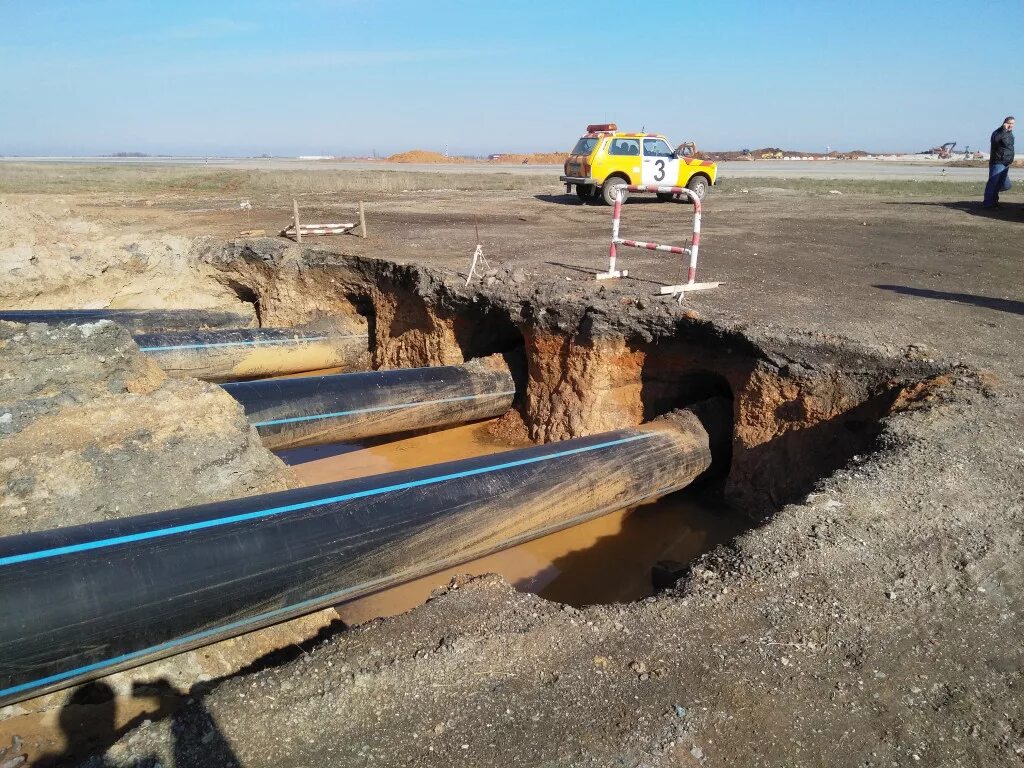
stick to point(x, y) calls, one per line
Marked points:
point(51, 259)
point(91, 429)
point(424, 156)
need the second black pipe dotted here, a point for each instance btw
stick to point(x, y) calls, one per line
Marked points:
point(290, 413)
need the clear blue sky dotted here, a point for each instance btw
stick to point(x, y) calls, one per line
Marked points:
point(350, 76)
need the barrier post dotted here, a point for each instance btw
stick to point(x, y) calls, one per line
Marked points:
point(691, 283)
point(612, 272)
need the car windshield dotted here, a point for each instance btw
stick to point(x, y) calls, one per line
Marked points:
point(584, 146)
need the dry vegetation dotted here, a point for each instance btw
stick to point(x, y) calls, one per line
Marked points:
point(150, 181)
point(200, 181)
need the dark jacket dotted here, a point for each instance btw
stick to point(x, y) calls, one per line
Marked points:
point(1002, 147)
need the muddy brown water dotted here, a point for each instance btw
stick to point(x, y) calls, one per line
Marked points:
point(608, 559)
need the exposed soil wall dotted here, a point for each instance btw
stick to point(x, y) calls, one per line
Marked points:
point(283, 288)
point(803, 404)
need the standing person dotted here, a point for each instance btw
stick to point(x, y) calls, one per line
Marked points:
point(999, 161)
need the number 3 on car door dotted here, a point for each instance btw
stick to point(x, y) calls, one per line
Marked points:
point(660, 165)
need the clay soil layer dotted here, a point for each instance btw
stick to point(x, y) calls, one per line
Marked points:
point(869, 335)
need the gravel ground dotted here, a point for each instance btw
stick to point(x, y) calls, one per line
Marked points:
point(876, 622)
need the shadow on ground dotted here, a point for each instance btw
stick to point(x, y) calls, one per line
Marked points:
point(988, 302)
point(88, 722)
point(1005, 212)
point(596, 202)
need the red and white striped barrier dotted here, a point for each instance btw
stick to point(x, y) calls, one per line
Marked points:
point(691, 273)
point(319, 229)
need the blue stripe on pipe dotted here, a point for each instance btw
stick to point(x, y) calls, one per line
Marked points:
point(254, 342)
point(86, 546)
point(329, 598)
point(400, 406)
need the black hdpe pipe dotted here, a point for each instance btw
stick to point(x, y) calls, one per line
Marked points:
point(289, 413)
point(135, 320)
point(85, 601)
point(248, 352)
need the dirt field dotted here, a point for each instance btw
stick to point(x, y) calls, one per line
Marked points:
point(875, 621)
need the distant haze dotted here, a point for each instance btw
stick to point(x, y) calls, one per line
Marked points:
point(350, 77)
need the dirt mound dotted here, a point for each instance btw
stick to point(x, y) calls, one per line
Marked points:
point(729, 155)
point(424, 156)
point(49, 258)
point(91, 429)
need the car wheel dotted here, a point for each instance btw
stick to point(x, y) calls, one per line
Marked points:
point(585, 192)
point(699, 186)
point(612, 188)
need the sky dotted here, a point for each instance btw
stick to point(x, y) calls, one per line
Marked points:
point(350, 77)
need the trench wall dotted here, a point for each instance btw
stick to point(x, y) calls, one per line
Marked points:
point(802, 407)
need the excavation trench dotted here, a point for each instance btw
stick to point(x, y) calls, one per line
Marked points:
point(801, 407)
point(803, 404)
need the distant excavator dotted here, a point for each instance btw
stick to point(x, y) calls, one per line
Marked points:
point(945, 152)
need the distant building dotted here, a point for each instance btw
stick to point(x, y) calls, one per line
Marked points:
point(495, 157)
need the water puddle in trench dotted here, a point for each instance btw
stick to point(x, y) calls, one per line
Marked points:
point(608, 559)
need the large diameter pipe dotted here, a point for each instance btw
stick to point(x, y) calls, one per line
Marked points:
point(289, 413)
point(85, 601)
point(135, 320)
point(244, 352)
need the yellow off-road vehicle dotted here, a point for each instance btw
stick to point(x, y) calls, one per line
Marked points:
point(605, 159)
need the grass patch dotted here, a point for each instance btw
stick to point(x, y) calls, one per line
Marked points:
point(148, 180)
point(277, 185)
